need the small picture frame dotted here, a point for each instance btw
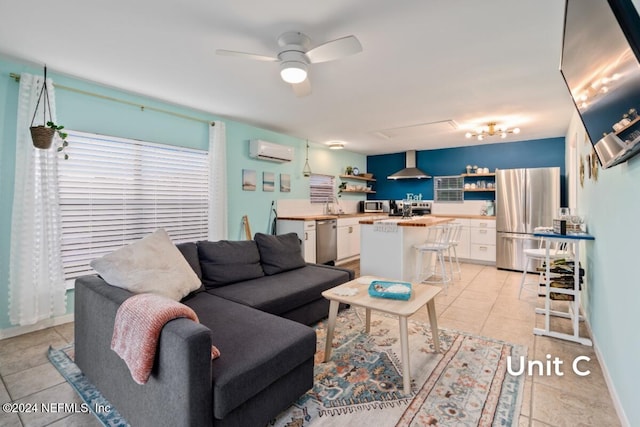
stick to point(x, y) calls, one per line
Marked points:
point(285, 183)
point(268, 181)
point(248, 180)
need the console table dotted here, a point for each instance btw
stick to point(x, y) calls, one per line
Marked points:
point(574, 306)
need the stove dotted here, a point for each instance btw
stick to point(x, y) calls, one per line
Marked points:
point(418, 208)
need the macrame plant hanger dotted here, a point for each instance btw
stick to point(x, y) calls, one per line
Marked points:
point(42, 135)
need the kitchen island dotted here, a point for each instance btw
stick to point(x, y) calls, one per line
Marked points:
point(386, 246)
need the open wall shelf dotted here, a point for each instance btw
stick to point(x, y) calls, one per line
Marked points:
point(357, 178)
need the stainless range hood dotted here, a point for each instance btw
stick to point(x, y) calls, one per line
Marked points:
point(410, 171)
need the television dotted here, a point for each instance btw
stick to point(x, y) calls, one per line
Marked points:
point(600, 65)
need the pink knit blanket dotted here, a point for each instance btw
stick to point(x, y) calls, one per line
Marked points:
point(137, 327)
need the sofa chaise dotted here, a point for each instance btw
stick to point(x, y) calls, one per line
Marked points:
point(254, 304)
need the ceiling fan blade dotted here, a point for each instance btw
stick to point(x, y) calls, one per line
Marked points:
point(335, 49)
point(254, 56)
point(302, 89)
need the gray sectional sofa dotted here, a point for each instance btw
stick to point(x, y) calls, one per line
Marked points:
point(256, 300)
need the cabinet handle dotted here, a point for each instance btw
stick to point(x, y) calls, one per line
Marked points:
point(482, 248)
point(350, 230)
point(483, 231)
point(306, 236)
point(483, 224)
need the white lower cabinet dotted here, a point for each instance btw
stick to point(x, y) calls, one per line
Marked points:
point(306, 231)
point(462, 250)
point(348, 237)
point(482, 239)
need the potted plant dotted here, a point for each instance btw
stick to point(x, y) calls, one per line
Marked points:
point(42, 135)
point(63, 137)
point(348, 170)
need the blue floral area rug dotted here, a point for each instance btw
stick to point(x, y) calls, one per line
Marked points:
point(466, 384)
point(97, 404)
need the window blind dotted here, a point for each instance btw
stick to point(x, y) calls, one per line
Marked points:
point(321, 188)
point(114, 191)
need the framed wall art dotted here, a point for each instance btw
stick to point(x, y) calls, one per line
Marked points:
point(268, 181)
point(285, 183)
point(248, 180)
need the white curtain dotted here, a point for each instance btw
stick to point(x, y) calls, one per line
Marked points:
point(36, 282)
point(217, 181)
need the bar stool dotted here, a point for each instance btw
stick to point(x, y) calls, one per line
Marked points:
point(556, 251)
point(454, 240)
point(436, 243)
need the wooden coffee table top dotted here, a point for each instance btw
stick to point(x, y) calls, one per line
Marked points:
point(420, 295)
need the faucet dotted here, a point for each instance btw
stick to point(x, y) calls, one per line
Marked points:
point(329, 207)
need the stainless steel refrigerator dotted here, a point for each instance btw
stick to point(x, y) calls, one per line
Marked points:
point(525, 199)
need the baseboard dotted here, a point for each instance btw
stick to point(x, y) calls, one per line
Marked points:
point(43, 324)
point(348, 260)
point(607, 378)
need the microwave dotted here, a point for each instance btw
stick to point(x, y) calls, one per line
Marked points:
point(371, 206)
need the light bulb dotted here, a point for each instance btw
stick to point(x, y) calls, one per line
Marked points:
point(293, 72)
point(468, 135)
point(503, 135)
point(480, 137)
point(516, 130)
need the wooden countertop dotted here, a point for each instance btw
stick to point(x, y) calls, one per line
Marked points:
point(321, 217)
point(357, 215)
point(463, 216)
point(416, 221)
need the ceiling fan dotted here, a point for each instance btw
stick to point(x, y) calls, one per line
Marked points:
point(296, 55)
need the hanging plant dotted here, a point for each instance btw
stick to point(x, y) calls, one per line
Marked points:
point(42, 135)
point(63, 137)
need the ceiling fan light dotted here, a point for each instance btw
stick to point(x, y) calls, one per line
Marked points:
point(293, 72)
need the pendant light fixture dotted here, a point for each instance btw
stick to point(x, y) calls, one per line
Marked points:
point(306, 170)
point(492, 129)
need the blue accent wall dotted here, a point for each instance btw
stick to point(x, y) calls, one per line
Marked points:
point(453, 161)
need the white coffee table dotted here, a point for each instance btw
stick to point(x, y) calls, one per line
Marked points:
point(421, 295)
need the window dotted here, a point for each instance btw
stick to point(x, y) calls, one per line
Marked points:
point(448, 189)
point(114, 191)
point(321, 188)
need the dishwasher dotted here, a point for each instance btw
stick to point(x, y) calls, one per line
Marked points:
point(326, 241)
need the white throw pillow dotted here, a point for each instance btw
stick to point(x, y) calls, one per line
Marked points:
point(152, 264)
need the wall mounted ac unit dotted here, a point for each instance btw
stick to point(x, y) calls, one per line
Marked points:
point(263, 150)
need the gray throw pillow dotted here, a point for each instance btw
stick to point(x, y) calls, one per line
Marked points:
point(225, 262)
point(279, 253)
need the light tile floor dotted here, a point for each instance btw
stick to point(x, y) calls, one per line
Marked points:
point(485, 301)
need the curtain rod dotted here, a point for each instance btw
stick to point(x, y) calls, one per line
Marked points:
point(16, 77)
